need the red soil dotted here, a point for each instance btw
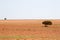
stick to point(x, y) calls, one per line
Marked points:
point(33, 29)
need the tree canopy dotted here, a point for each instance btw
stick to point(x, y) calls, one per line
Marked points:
point(47, 23)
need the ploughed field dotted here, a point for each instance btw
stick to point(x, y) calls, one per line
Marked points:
point(29, 30)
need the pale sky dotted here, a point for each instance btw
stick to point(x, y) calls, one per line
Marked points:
point(30, 9)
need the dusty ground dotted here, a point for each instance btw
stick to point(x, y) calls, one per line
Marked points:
point(29, 30)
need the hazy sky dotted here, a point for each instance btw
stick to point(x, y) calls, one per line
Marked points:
point(32, 9)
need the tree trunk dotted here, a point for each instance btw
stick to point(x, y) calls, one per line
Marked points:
point(46, 26)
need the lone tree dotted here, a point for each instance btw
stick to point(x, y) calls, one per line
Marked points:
point(5, 18)
point(46, 23)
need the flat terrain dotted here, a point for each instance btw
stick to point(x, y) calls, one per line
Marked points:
point(29, 30)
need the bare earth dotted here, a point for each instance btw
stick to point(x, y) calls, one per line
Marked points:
point(29, 30)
